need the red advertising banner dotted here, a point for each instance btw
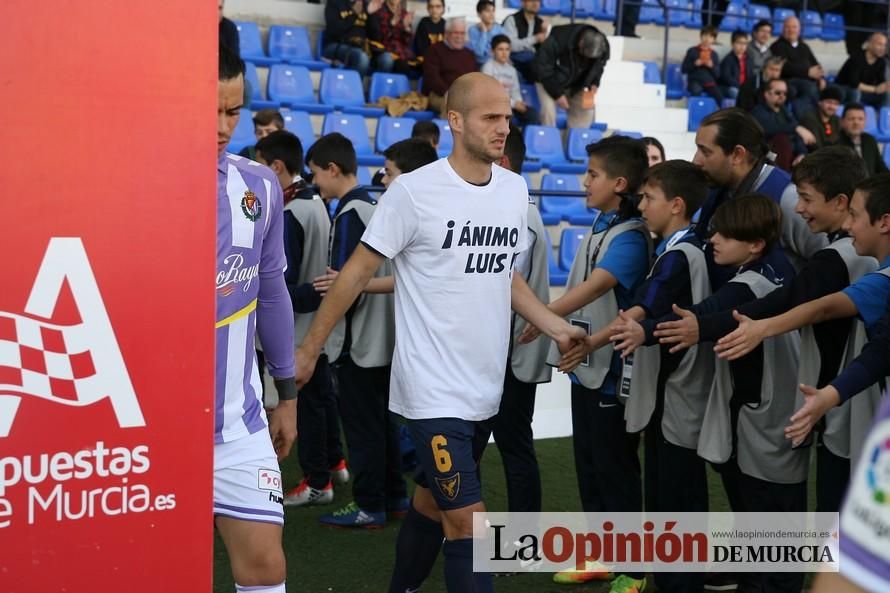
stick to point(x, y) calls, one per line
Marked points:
point(107, 169)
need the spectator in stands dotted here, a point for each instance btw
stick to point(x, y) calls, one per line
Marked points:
point(389, 35)
point(784, 134)
point(346, 32)
point(736, 68)
point(700, 66)
point(405, 156)
point(427, 130)
point(802, 70)
point(431, 29)
point(751, 93)
point(824, 122)
point(228, 32)
point(482, 33)
point(500, 68)
point(568, 68)
point(265, 121)
point(853, 134)
point(527, 31)
point(445, 62)
point(758, 49)
point(654, 150)
point(626, 18)
point(864, 74)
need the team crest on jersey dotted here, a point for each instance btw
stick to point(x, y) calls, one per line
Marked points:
point(251, 206)
point(450, 486)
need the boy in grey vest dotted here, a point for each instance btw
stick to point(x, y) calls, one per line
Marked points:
point(825, 182)
point(361, 347)
point(668, 391)
point(306, 229)
point(742, 433)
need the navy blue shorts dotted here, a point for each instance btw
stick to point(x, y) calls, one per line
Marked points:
point(448, 452)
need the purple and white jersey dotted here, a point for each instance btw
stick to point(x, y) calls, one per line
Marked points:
point(865, 518)
point(250, 265)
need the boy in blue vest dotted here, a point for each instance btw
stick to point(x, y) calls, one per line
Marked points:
point(609, 265)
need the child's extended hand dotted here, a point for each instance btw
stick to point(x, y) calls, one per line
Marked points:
point(683, 333)
point(323, 283)
point(742, 339)
point(627, 334)
point(576, 355)
point(529, 334)
point(816, 404)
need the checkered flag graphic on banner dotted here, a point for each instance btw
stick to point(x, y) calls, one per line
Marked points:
point(73, 365)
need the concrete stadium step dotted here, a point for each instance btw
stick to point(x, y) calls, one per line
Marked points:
point(636, 95)
point(650, 120)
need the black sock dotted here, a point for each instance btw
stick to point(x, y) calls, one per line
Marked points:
point(459, 575)
point(417, 548)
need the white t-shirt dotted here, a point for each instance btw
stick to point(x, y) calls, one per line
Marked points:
point(453, 246)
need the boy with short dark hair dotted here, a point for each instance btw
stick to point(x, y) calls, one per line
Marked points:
point(736, 68)
point(265, 121)
point(609, 265)
point(825, 182)
point(483, 33)
point(405, 156)
point(500, 68)
point(306, 231)
point(667, 393)
point(700, 66)
point(361, 346)
point(427, 130)
point(431, 28)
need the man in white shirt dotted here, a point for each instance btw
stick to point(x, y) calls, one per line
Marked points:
point(453, 230)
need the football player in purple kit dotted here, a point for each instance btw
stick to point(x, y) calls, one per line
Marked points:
point(251, 299)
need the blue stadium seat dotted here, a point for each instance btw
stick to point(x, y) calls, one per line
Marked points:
point(514, 4)
point(343, 90)
point(353, 126)
point(871, 122)
point(651, 11)
point(386, 84)
point(364, 176)
point(578, 141)
point(757, 13)
point(694, 21)
point(583, 8)
point(676, 85)
point(291, 45)
point(300, 124)
point(544, 144)
point(606, 10)
point(257, 101)
point(727, 103)
point(884, 123)
point(562, 118)
point(569, 240)
point(680, 12)
point(571, 209)
point(243, 135)
point(627, 134)
point(391, 130)
point(651, 73)
point(292, 86)
point(779, 16)
point(833, 27)
point(887, 154)
point(549, 7)
point(699, 108)
point(558, 277)
point(529, 94)
point(811, 24)
point(446, 140)
point(735, 17)
point(251, 44)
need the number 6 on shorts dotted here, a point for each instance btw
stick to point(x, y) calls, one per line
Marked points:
point(440, 455)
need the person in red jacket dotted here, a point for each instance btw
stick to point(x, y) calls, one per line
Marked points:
point(446, 62)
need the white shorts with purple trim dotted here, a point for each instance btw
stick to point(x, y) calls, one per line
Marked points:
point(247, 480)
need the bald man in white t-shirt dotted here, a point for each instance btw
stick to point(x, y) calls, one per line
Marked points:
point(453, 230)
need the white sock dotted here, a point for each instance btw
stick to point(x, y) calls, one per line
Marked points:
point(260, 588)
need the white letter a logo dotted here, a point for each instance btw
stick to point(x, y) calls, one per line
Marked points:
point(74, 365)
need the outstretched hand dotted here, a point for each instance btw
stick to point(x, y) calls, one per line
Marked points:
point(817, 403)
point(682, 333)
point(529, 334)
point(742, 340)
point(627, 334)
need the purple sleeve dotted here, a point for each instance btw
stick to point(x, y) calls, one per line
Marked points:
point(275, 317)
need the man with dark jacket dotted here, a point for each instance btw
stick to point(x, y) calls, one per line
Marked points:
point(855, 136)
point(824, 122)
point(568, 67)
point(786, 137)
point(864, 74)
point(802, 70)
point(751, 93)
